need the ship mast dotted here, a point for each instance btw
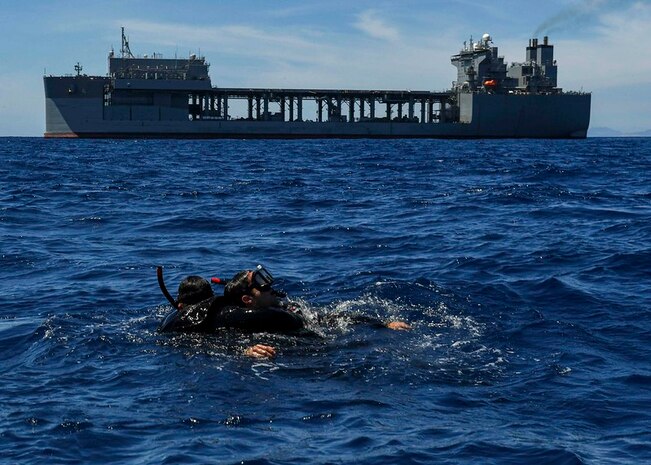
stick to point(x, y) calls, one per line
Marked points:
point(125, 50)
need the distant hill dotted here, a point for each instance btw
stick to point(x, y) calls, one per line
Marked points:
point(608, 132)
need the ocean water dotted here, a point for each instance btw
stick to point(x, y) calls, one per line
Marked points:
point(523, 266)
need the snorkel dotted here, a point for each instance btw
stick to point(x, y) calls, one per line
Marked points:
point(163, 288)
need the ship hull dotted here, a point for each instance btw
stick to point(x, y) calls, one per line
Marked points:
point(76, 107)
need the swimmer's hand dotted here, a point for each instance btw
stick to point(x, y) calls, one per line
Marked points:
point(398, 325)
point(260, 351)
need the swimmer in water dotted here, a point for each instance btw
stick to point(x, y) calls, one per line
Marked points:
point(196, 307)
point(249, 304)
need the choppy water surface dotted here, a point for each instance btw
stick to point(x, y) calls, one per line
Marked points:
point(522, 265)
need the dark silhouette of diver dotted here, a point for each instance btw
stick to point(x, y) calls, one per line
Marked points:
point(249, 304)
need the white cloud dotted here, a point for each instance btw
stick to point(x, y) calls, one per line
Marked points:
point(613, 65)
point(615, 56)
point(371, 24)
point(241, 41)
point(249, 56)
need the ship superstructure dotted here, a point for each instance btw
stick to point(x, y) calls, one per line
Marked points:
point(152, 96)
point(479, 67)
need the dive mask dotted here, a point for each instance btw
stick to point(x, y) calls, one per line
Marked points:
point(261, 279)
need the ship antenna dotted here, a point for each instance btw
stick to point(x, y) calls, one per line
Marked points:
point(125, 51)
point(78, 68)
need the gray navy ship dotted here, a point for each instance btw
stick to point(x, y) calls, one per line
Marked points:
point(154, 97)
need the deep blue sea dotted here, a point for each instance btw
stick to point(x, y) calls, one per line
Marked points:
point(523, 266)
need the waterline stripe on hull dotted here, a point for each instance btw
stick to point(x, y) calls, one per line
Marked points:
point(72, 135)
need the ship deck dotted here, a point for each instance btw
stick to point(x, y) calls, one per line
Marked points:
point(361, 104)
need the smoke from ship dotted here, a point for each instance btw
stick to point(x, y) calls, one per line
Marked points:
point(577, 14)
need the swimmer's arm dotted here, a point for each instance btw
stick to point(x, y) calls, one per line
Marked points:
point(260, 351)
point(377, 323)
point(398, 325)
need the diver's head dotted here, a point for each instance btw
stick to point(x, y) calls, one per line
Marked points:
point(237, 287)
point(193, 290)
point(252, 288)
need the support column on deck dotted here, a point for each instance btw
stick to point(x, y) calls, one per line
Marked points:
point(351, 110)
point(411, 109)
point(299, 108)
point(442, 118)
point(282, 108)
point(319, 111)
point(372, 107)
point(291, 108)
point(399, 110)
point(250, 107)
point(225, 106)
point(388, 111)
point(361, 109)
point(265, 113)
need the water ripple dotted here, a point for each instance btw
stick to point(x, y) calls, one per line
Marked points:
point(521, 265)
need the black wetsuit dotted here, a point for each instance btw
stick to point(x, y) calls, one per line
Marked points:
point(216, 313)
point(212, 314)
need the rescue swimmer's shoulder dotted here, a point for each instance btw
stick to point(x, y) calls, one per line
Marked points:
point(214, 313)
point(268, 320)
point(193, 318)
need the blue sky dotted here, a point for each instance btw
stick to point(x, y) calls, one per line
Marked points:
point(601, 45)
